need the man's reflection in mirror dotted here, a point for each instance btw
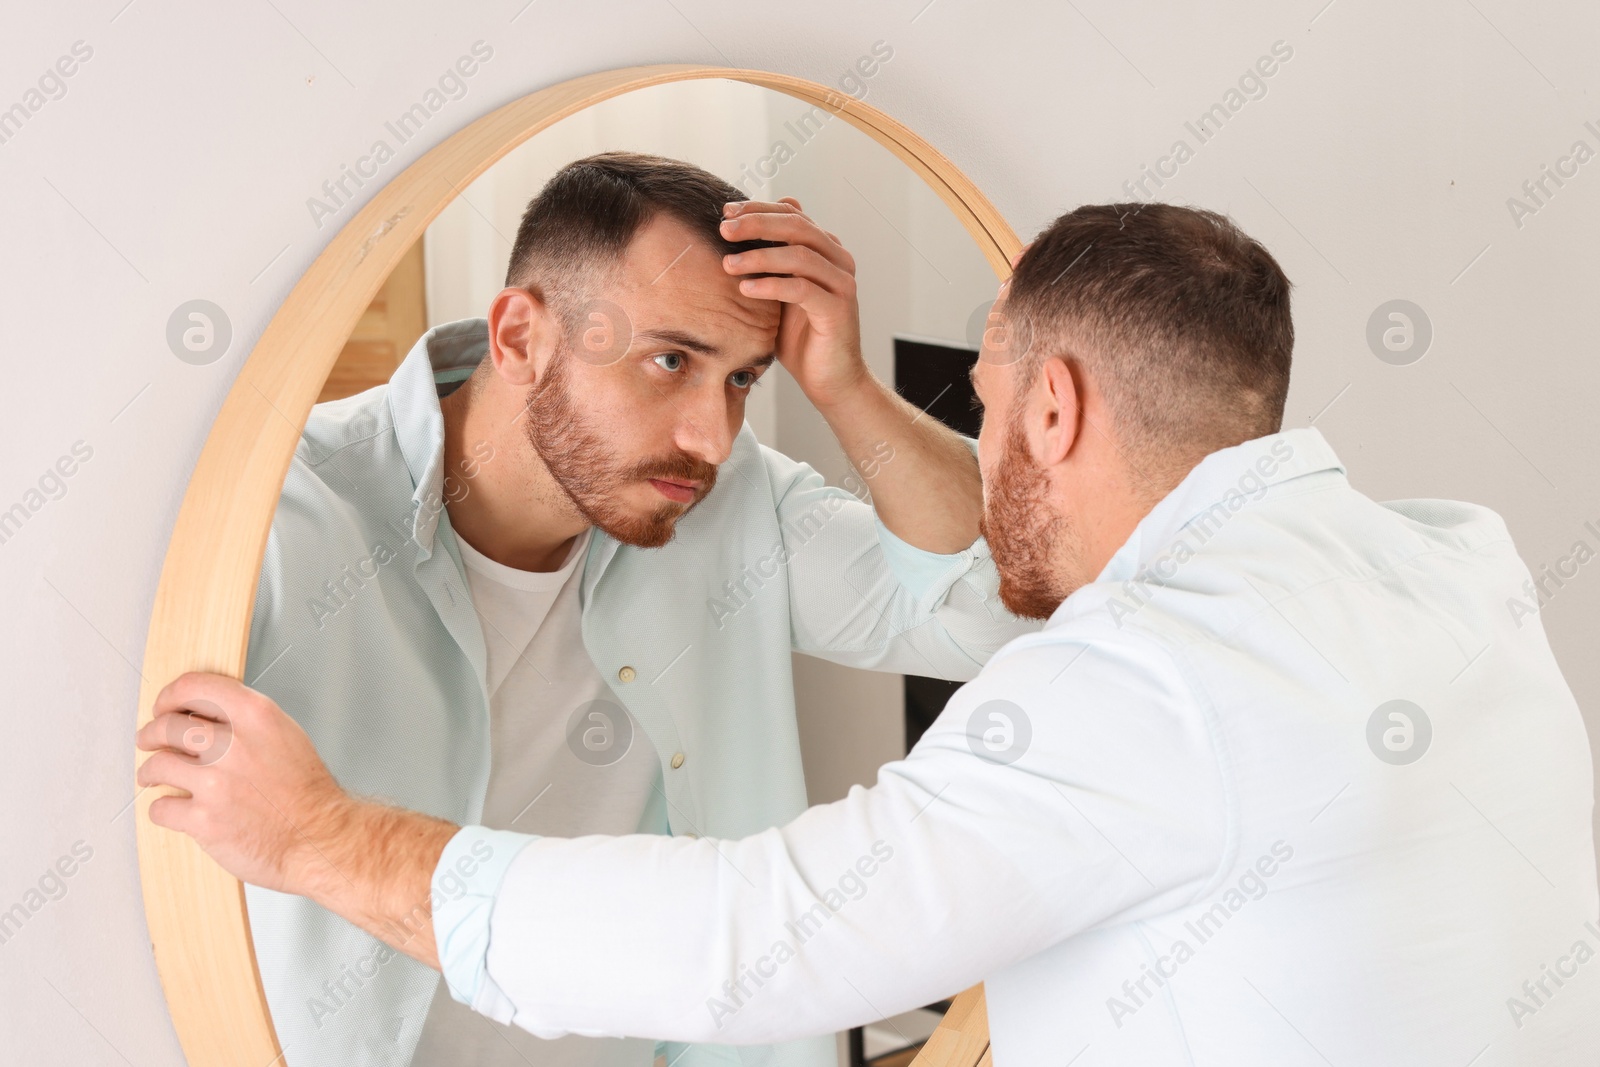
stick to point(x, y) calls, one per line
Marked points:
point(546, 579)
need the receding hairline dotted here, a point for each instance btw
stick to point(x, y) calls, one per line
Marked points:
point(586, 216)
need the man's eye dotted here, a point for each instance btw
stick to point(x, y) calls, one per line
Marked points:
point(743, 379)
point(670, 361)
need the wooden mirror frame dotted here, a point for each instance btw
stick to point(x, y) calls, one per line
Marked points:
point(199, 930)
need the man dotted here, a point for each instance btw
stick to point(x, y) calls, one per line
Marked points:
point(1279, 782)
point(503, 590)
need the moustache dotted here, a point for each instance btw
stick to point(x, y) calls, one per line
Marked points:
point(679, 467)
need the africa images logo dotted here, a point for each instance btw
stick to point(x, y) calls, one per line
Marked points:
point(1399, 732)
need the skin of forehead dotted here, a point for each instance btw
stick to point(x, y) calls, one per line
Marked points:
point(671, 278)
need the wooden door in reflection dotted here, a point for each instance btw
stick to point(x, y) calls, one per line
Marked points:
point(394, 320)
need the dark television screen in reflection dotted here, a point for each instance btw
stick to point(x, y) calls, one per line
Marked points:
point(935, 378)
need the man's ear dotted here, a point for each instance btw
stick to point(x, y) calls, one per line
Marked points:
point(1059, 397)
point(522, 335)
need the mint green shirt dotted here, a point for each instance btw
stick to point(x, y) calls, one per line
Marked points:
point(365, 632)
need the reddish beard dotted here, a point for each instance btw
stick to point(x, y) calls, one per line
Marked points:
point(1025, 533)
point(592, 476)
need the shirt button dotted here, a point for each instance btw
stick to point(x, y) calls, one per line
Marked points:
point(677, 760)
point(691, 833)
point(627, 674)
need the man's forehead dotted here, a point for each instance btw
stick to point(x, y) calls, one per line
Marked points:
point(672, 279)
point(664, 251)
point(711, 304)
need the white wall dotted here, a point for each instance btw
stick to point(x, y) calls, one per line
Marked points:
point(179, 160)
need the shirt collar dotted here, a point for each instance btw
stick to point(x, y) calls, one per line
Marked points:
point(447, 353)
point(1230, 478)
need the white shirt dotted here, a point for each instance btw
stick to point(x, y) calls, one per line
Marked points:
point(1185, 823)
point(565, 759)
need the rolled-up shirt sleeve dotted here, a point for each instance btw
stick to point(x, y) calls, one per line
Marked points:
point(862, 596)
point(928, 576)
point(465, 882)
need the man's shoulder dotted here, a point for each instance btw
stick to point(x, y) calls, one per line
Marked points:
point(1449, 522)
point(1299, 540)
point(346, 483)
point(338, 425)
point(782, 471)
point(775, 466)
point(1348, 536)
point(1309, 556)
point(347, 452)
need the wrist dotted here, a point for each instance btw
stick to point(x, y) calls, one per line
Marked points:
point(846, 392)
point(373, 865)
point(862, 396)
point(314, 864)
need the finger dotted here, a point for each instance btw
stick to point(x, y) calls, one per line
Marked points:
point(789, 230)
point(204, 739)
point(171, 769)
point(798, 260)
point(797, 291)
point(203, 693)
point(775, 210)
point(153, 735)
point(735, 208)
point(173, 813)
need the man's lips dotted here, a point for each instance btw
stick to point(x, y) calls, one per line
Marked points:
point(678, 491)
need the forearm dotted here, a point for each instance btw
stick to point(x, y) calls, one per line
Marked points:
point(373, 866)
point(928, 490)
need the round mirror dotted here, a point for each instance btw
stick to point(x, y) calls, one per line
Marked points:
point(505, 681)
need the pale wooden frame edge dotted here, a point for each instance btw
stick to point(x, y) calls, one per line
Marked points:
point(201, 616)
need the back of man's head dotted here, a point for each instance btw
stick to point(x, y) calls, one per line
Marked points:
point(580, 224)
point(1180, 318)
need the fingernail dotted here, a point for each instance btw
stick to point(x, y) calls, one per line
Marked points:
point(731, 208)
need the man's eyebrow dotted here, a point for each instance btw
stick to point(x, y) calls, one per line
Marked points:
point(765, 361)
point(681, 339)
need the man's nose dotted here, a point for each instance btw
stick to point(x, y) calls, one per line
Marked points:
point(705, 425)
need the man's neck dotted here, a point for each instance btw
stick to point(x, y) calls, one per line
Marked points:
point(1122, 498)
point(501, 498)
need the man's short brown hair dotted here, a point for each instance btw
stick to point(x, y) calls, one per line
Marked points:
point(582, 221)
point(1180, 317)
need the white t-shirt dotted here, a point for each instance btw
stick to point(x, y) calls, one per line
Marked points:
point(565, 760)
